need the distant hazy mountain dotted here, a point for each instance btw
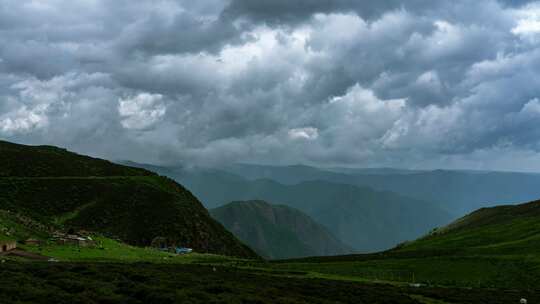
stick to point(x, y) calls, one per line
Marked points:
point(288, 175)
point(365, 219)
point(378, 171)
point(459, 192)
point(278, 231)
point(295, 174)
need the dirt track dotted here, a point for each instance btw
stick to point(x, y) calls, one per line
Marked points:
point(26, 254)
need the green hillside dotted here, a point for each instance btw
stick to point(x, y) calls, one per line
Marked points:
point(511, 229)
point(48, 161)
point(496, 247)
point(277, 231)
point(64, 190)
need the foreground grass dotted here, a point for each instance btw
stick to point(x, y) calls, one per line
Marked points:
point(468, 271)
point(118, 273)
point(507, 272)
point(109, 250)
point(515, 236)
point(33, 282)
point(490, 248)
point(160, 283)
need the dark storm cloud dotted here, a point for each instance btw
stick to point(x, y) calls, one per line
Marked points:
point(280, 11)
point(283, 11)
point(184, 33)
point(422, 83)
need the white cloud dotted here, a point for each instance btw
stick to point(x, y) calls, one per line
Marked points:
point(304, 133)
point(362, 104)
point(24, 120)
point(142, 111)
point(532, 108)
point(36, 101)
point(527, 27)
point(357, 120)
point(431, 128)
point(528, 21)
point(429, 79)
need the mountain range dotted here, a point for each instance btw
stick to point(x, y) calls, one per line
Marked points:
point(364, 219)
point(457, 191)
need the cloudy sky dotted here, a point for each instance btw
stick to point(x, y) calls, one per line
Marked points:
point(415, 83)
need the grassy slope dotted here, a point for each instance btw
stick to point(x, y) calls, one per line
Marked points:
point(57, 187)
point(39, 161)
point(493, 247)
point(107, 250)
point(188, 283)
point(16, 227)
point(498, 230)
point(119, 283)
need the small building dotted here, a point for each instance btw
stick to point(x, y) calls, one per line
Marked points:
point(183, 250)
point(33, 242)
point(6, 245)
point(86, 242)
point(74, 240)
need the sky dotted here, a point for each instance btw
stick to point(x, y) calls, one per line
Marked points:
point(410, 84)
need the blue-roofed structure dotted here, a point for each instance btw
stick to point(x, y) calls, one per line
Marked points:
point(183, 250)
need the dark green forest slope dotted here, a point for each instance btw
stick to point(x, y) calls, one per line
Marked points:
point(66, 190)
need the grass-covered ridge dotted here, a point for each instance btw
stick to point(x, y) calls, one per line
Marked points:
point(63, 190)
point(498, 230)
point(48, 161)
point(491, 248)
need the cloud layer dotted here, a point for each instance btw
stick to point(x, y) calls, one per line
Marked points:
point(417, 84)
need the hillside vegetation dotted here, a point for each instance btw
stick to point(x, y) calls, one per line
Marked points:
point(64, 190)
point(510, 229)
point(48, 161)
point(496, 247)
point(278, 231)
